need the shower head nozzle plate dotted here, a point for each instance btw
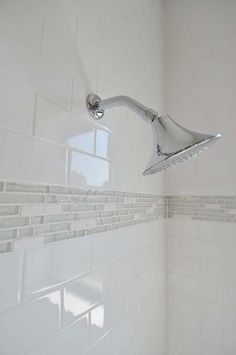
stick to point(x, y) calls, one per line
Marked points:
point(158, 165)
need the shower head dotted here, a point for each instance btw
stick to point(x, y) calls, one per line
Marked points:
point(173, 143)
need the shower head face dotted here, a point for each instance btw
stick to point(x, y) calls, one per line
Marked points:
point(173, 144)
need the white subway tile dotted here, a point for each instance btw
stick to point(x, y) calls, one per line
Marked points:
point(129, 267)
point(213, 314)
point(11, 269)
point(82, 87)
point(230, 296)
point(101, 347)
point(72, 340)
point(203, 290)
point(213, 334)
point(126, 179)
point(227, 254)
point(112, 148)
point(117, 243)
point(138, 289)
point(184, 266)
point(88, 171)
point(58, 125)
point(210, 349)
point(191, 327)
point(217, 232)
point(175, 246)
point(55, 264)
point(123, 333)
point(123, 271)
point(58, 12)
point(42, 161)
point(16, 107)
point(174, 282)
point(41, 316)
point(83, 294)
point(186, 305)
point(186, 229)
point(62, 50)
point(100, 322)
point(34, 71)
point(229, 318)
point(230, 340)
point(21, 19)
point(184, 345)
point(100, 249)
point(117, 305)
point(138, 238)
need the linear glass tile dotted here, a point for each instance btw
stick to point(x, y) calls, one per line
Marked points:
point(8, 234)
point(8, 222)
point(20, 198)
point(9, 210)
point(13, 187)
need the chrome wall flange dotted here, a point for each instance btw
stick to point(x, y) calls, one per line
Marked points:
point(93, 105)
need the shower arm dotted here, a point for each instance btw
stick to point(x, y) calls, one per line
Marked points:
point(96, 107)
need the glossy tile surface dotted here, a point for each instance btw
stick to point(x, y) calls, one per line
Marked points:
point(58, 125)
point(42, 161)
point(17, 116)
point(11, 280)
point(73, 340)
point(29, 324)
point(83, 294)
point(201, 251)
point(65, 287)
point(88, 171)
point(48, 266)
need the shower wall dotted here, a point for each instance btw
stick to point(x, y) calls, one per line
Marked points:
point(201, 53)
point(83, 257)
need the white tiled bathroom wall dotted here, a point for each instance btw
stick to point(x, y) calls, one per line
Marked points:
point(201, 95)
point(106, 293)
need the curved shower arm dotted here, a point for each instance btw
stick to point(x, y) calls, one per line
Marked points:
point(97, 106)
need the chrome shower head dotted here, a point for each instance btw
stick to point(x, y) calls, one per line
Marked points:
point(172, 143)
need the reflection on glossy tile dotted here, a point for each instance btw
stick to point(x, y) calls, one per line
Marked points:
point(59, 125)
point(86, 170)
point(102, 139)
point(81, 295)
point(29, 324)
point(48, 266)
point(100, 321)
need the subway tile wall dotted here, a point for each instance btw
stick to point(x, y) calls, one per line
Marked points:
point(201, 77)
point(95, 293)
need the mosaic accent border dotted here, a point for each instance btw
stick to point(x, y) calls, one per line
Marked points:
point(53, 213)
point(56, 213)
point(203, 208)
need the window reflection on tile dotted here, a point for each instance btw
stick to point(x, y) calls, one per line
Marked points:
point(102, 138)
point(59, 125)
point(86, 170)
point(83, 141)
point(81, 295)
point(100, 322)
